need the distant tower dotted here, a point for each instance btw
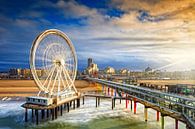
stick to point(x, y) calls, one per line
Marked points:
point(90, 61)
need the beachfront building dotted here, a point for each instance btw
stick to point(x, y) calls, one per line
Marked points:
point(124, 71)
point(109, 70)
point(92, 69)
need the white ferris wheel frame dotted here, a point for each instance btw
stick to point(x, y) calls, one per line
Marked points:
point(35, 44)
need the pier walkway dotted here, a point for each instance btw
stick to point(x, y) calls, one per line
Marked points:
point(180, 108)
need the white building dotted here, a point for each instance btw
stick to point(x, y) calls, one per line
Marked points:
point(109, 70)
point(92, 69)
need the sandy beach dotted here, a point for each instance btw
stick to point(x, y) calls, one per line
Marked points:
point(22, 88)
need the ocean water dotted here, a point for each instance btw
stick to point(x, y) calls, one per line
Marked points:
point(85, 117)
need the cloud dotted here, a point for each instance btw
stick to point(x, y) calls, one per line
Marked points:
point(151, 32)
point(131, 39)
point(168, 8)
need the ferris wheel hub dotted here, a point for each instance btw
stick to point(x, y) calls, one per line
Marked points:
point(59, 62)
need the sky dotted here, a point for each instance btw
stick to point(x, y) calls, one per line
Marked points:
point(131, 34)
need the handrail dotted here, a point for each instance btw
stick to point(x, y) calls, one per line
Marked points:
point(186, 104)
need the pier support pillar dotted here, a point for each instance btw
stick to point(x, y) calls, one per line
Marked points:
point(162, 122)
point(131, 105)
point(61, 113)
point(37, 116)
point(176, 124)
point(157, 115)
point(26, 115)
point(73, 104)
point(52, 113)
point(83, 100)
point(135, 106)
point(96, 103)
point(68, 107)
point(32, 115)
point(42, 114)
point(126, 102)
point(70, 103)
point(146, 113)
point(112, 103)
point(56, 113)
point(78, 103)
point(47, 113)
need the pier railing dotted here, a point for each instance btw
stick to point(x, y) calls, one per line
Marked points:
point(176, 104)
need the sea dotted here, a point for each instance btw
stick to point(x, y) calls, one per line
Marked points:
point(85, 117)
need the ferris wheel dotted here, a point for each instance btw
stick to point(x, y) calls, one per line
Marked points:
point(53, 63)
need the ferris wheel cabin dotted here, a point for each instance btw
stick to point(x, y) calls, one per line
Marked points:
point(39, 100)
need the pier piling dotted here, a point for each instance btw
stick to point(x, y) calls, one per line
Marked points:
point(176, 124)
point(37, 116)
point(61, 113)
point(112, 103)
point(135, 106)
point(32, 111)
point(157, 115)
point(26, 115)
point(83, 100)
point(162, 121)
point(42, 114)
point(146, 113)
point(56, 113)
point(52, 112)
point(73, 104)
point(68, 107)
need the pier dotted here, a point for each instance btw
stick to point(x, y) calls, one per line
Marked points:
point(51, 112)
point(178, 107)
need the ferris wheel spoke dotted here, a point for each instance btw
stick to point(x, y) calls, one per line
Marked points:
point(50, 73)
point(68, 58)
point(62, 79)
point(41, 58)
point(70, 65)
point(55, 80)
point(63, 82)
point(69, 83)
point(65, 76)
point(51, 77)
point(59, 80)
point(72, 83)
point(45, 67)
